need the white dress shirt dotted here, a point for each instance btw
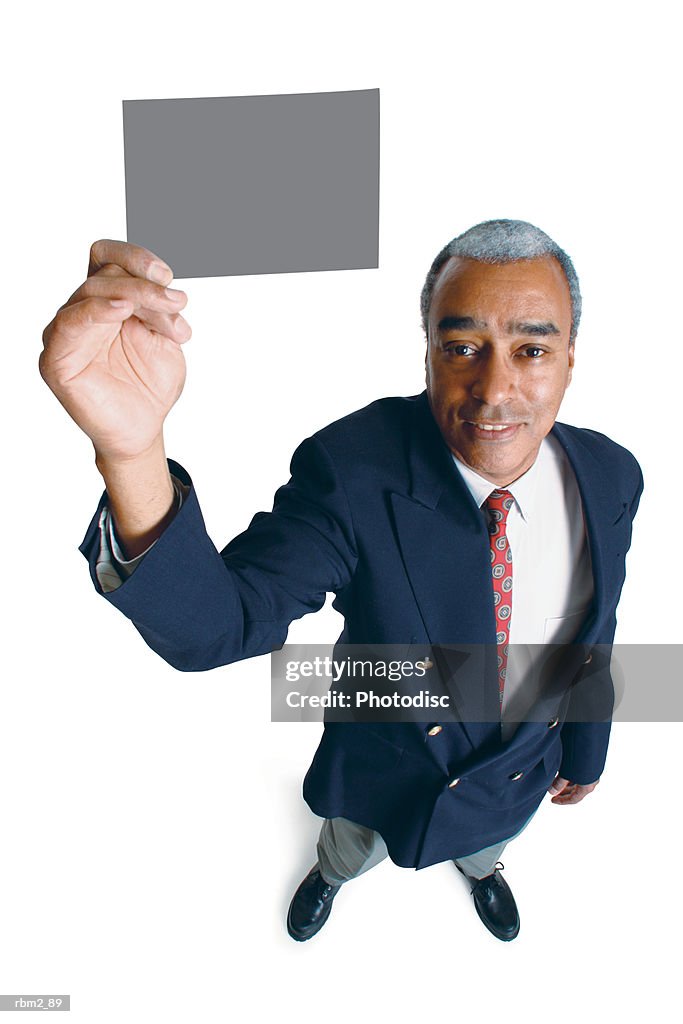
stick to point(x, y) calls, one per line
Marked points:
point(552, 580)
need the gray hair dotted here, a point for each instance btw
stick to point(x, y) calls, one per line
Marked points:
point(503, 241)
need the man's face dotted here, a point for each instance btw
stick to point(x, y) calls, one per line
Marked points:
point(498, 355)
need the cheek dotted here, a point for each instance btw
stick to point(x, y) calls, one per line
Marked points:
point(545, 398)
point(435, 380)
point(443, 376)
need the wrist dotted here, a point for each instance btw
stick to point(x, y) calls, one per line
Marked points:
point(111, 465)
point(142, 498)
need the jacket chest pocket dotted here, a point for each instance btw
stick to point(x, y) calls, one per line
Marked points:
point(564, 628)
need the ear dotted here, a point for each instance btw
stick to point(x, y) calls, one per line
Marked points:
point(570, 364)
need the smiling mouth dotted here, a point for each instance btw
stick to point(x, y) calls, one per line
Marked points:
point(492, 431)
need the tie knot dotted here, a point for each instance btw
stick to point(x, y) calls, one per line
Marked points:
point(498, 504)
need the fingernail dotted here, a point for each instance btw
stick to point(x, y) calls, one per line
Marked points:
point(174, 295)
point(159, 272)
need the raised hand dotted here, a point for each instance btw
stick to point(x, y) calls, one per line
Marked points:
point(112, 354)
point(112, 357)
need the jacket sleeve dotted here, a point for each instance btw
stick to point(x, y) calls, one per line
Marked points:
point(585, 737)
point(199, 608)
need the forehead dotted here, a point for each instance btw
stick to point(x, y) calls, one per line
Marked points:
point(498, 292)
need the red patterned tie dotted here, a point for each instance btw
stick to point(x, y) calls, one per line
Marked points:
point(499, 504)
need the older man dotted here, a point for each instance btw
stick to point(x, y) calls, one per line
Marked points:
point(465, 515)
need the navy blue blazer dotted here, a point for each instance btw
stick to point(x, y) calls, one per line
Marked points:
point(377, 513)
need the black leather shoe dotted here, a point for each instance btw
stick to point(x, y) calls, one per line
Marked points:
point(310, 906)
point(495, 904)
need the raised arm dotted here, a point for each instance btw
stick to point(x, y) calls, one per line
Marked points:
point(112, 355)
point(113, 358)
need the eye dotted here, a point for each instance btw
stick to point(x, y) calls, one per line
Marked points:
point(533, 351)
point(459, 348)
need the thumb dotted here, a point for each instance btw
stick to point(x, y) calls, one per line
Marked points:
point(558, 785)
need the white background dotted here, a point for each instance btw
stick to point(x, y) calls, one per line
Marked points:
point(152, 823)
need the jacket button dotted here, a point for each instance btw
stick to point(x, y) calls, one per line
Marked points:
point(553, 722)
point(426, 664)
point(434, 730)
point(515, 776)
point(453, 783)
point(588, 659)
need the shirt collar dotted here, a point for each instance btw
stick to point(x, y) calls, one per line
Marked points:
point(523, 489)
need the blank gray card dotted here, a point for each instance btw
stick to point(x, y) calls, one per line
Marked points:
point(255, 184)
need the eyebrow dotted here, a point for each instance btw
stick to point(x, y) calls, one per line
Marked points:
point(534, 328)
point(461, 323)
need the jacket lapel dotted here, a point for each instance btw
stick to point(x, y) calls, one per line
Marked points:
point(602, 507)
point(444, 544)
point(443, 541)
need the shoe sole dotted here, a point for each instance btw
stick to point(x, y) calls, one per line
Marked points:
point(497, 935)
point(297, 936)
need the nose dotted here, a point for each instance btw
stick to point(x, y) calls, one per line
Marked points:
point(493, 383)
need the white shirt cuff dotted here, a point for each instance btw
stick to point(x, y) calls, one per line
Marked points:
point(112, 568)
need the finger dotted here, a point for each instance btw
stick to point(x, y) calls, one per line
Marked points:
point(107, 271)
point(73, 320)
point(569, 796)
point(78, 334)
point(169, 324)
point(573, 794)
point(153, 305)
point(143, 294)
point(582, 791)
point(558, 784)
point(136, 260)
point(73, 323)
point(175, 327)
point(64, 352)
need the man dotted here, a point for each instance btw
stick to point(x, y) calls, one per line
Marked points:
point(465, 515)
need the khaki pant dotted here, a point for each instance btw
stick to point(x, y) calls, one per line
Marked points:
point(346, 850)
